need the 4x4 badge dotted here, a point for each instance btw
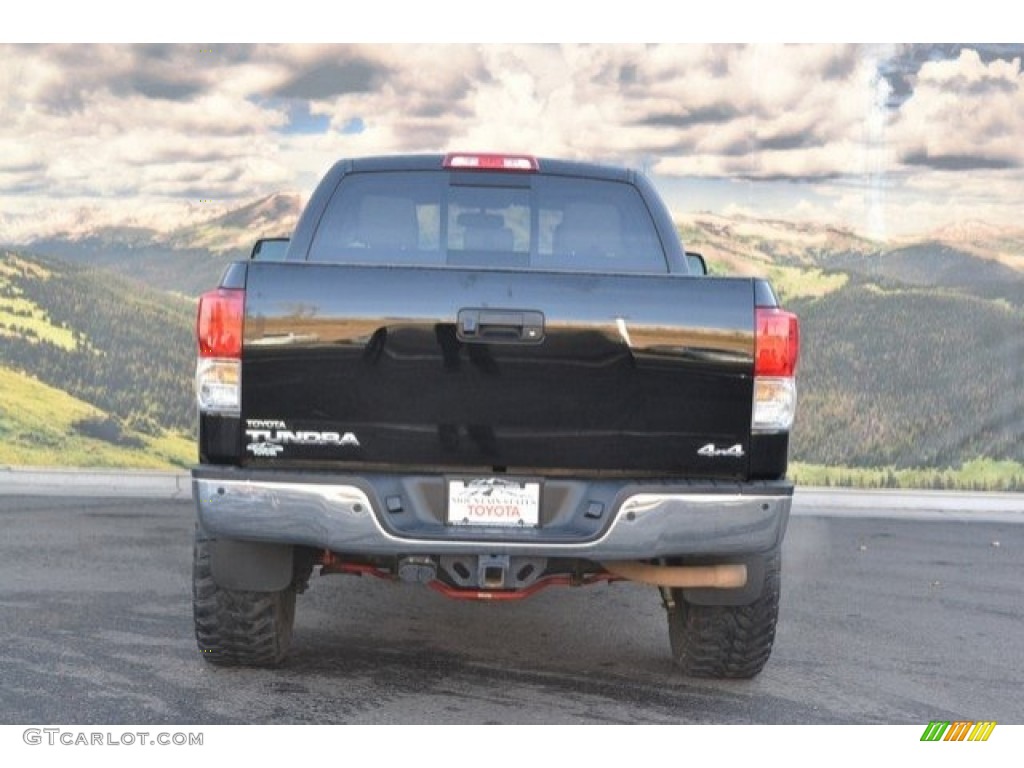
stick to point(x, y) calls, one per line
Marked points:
point(735, 452)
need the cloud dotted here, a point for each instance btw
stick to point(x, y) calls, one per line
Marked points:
point(153, 72)
point(954, 162)
point(137, 123)
point(682, 109)
point(965, 114)
point(147, 125)
point(330, 78)
point(712, 113)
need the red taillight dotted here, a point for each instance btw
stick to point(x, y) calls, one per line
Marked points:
point(777, 345)
point(490, 162)
point(219, 323)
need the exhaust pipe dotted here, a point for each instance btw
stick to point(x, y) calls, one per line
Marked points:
point(732, 576)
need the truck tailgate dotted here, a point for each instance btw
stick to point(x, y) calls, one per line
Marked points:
point(526, 371)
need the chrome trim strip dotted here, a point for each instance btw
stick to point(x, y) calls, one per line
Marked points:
point(342, 518)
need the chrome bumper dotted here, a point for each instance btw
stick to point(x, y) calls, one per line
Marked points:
point(344, 514)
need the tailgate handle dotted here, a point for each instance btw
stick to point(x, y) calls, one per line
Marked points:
point(500, 326)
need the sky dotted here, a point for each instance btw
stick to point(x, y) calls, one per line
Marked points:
point(885, 139)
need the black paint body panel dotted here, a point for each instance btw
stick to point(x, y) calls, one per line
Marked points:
point(634, 373)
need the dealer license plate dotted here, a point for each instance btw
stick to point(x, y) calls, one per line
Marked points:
point(494, 502)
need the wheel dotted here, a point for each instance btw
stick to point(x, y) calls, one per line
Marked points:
point(725, 641)
point(235, 627)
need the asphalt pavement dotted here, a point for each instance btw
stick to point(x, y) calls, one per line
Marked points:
point(896, 608)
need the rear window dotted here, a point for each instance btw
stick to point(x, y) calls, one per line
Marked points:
point(489, 220)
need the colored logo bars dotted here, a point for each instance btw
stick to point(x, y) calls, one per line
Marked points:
point(960, 730)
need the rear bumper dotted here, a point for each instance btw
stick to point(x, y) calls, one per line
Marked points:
point(350, 514)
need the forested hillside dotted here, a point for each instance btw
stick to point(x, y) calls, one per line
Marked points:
point(186, 272)
point(187, 259)
point(912, 355)
point(121, 347)
point(909, 378)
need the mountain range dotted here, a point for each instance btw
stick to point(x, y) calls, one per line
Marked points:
point(186, 258)
point(913, 349)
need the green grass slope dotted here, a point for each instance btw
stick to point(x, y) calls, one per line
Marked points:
point(43, 426)
point(96, 369)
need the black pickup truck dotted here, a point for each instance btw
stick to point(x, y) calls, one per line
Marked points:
point(489, 374)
